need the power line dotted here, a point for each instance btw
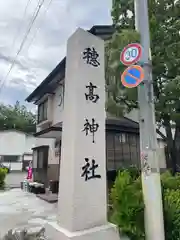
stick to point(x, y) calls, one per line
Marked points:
point(31, 24)
point(37, 29)
point(19, 28)
point(40, 4)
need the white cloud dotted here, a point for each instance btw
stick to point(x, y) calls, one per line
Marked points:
point(51, 32)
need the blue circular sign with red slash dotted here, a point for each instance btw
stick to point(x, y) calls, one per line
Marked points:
point(131, 54)
point(132, 76)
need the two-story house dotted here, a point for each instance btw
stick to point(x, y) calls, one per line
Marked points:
point(122, 139)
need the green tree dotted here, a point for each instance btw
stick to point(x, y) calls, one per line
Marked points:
point(17, 117)
point(165, 50)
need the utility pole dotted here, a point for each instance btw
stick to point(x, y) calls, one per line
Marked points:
point(154, 223)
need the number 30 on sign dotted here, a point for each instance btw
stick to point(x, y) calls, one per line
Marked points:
point(131, 54)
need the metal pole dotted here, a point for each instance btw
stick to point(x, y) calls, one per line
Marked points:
point(151, 185)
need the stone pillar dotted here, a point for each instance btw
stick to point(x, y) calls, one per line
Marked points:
point(82, 202)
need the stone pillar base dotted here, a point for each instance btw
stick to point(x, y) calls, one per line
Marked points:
point(105, 232)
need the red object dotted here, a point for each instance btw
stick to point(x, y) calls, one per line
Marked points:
point(134, 59)
point(29, 176)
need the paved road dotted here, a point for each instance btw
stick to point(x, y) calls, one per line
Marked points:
point(14, 179)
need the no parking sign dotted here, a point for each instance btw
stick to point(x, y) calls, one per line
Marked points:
point(132, 76)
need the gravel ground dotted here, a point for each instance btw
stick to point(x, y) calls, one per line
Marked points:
point(18, 208)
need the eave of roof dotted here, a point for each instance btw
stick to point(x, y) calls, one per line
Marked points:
point(97, 30)
point(59, 68)
point(48, 130)
point(112, 124)
point(41, 146)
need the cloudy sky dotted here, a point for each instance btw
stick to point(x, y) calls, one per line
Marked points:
point(46, 42)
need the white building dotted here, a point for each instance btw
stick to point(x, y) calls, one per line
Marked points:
point(16, 148)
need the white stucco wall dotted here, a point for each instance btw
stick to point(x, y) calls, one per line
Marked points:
point(15, 166)
point(15, 143)
point(58, 105)
point(28, 157)
point(29, 143)
point(161, 157)
point(12, 143)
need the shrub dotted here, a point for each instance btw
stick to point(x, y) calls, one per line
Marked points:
point(128, 207)
point(133, 171)
point(3, 173)
point(169, 181)
point(171, 201)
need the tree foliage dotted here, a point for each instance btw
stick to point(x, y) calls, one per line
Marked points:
point(17, 117)
point(165, 49)
point(127, 210)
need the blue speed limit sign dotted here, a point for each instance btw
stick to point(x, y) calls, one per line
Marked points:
point(131, 54)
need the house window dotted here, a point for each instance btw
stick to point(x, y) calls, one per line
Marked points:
point(10, 158)
point(42, 111)
point(122, 138)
